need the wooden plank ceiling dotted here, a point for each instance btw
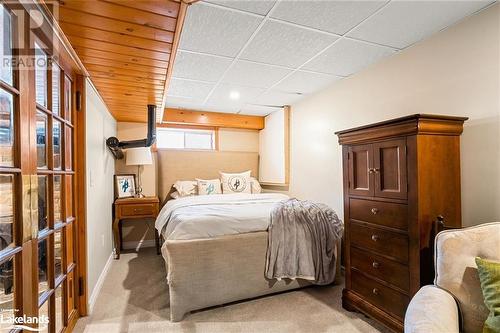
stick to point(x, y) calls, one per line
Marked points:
point(128, 48)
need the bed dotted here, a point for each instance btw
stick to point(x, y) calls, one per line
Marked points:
point(216, 263)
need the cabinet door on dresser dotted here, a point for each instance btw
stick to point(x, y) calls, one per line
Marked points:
point(389, 162)
point(360, 168)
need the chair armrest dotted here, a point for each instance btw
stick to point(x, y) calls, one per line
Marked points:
point(432, 310)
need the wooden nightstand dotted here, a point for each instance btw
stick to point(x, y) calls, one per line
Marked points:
point(134, 208)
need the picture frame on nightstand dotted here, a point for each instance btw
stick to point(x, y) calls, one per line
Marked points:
point(125, 186)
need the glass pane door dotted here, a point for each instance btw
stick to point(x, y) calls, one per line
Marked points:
point(37, 215)
point(55, 192)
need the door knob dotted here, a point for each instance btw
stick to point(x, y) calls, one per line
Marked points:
point(376, 170)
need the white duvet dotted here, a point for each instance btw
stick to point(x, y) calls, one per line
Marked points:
point(207, 216)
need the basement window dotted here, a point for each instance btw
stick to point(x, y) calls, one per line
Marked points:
point(180, 138)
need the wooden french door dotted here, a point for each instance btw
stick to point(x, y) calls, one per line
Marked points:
point(37, 180)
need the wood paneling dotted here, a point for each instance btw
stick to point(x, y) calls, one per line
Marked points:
point(127, 47)
point(215, 119)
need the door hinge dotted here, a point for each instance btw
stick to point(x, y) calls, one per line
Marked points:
point(80, 286)
point(78, 100)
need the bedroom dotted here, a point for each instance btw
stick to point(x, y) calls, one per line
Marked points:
point(129, 129)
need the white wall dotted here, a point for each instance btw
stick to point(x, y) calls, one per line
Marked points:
point(272, 149)
point(100, 171)
point(455, 72)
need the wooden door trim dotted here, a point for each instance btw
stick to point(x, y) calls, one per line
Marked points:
point(80, 278)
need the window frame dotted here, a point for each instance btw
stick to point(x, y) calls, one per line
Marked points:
point(186, 129)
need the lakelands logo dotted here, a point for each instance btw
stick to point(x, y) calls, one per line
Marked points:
point(11, 322)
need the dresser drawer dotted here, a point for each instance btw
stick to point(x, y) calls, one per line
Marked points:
point(136, 210)
point(380, 267)
point(385, 242)
point(384, 213)
point(379, 295)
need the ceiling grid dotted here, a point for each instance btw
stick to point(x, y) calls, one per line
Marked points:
point(251, 57)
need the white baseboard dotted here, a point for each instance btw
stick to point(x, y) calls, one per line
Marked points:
point(135, 245)
point(98, 285)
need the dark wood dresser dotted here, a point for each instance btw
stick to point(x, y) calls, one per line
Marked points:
point(399, 175)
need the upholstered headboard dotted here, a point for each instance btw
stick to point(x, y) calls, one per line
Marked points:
point(176, 165)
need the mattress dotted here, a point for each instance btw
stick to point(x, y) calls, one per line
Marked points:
point(210, 216)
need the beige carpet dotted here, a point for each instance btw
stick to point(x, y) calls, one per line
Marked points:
point(134, 298)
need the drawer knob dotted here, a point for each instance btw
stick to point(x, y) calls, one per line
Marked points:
point(375, 264)
point(374, 211)
point(375, 291)
point(375, 238)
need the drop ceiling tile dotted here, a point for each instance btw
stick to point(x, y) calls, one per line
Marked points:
point(305, 82)
point(183, 103)
point(402, 23)
point(277, 98)
point(261, 7)
point(221, 96)
point(347, 57)
point(193, 90)
point(254, 74)
point(332, 16)
point(201, 67)
point(284, 44)
point(258, 110)
point(216, 30)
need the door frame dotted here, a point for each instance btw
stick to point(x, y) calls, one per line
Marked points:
point(25, 277)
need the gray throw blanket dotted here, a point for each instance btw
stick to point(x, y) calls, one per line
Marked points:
point(302, 240)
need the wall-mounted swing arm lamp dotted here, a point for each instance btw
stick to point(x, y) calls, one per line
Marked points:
point(116, 146)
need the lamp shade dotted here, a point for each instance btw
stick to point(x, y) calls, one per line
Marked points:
point(139, 156)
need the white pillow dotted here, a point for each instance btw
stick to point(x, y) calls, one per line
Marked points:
point(175, 195)
point(186, 187)
point(255, 186)
point(208, 186)
point(236, 182)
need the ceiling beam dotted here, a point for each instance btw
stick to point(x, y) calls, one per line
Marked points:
point(213, 119)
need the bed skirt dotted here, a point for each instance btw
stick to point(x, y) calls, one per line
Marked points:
point(215, 271)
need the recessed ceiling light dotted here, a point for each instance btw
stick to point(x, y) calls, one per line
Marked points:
point(234, 94)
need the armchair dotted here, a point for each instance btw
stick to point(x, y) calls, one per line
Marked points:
point(455, 302)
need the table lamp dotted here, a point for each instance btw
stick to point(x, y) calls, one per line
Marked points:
point(139, 156)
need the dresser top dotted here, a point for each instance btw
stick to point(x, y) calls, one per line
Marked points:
point(407, 125)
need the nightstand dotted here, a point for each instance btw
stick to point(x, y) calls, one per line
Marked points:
point(134, 208)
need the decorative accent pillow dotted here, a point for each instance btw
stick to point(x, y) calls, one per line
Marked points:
point(186, 187)
point(255, 186)
point(207, 187)
point(236, 182)
point(489, 275)
point(175, 195)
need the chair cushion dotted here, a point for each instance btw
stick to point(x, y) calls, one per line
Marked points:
point(456, 269)
point(489, 275)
